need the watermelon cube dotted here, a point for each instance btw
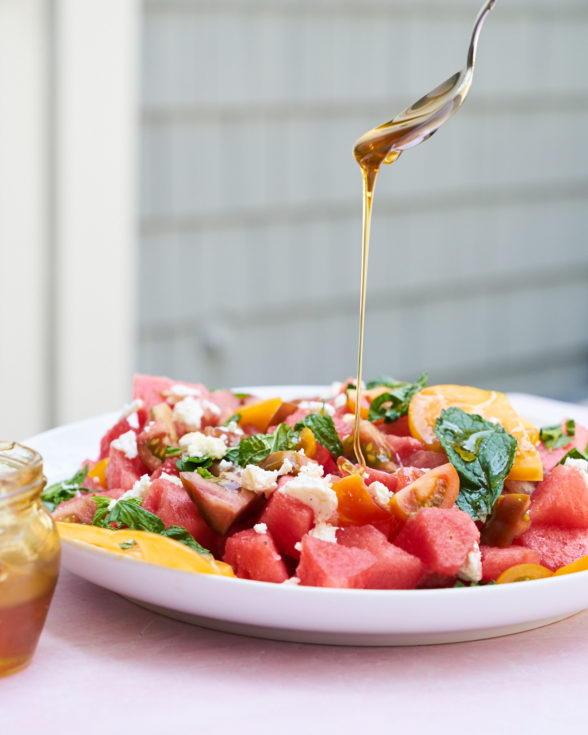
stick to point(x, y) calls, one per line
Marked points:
point(561, 499)
point(288, 520)
point(328, 564)
point(550, 458)
point(393, 568)
point(495, 560)
point(440, 537)
point(556, 545)
point(253, 555)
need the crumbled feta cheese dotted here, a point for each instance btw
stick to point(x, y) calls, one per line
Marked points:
point(260, 528)
point(172, 478)
point(197, 444)
point(258, 480)
point(349, 418)
point(286, 468)
point(291, 580)
point(139, 490)
point(127, 444)
point(225, 466)
point(189, 412)
point(130, 408)
point(325, 532)
point(232, 427)
point(183, 391)
point(340, 400)
point(334, 390)
point(313, 490)
point(212, 407)
point(318, 406)
point(380, 493)
point(579, 464)
point(471, 570)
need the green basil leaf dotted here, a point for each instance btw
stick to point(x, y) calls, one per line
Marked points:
point(189, 464)
point(554, 437)
point(173, 452)
point(236, 417)
point(394, 403)
point(323, 428)
point(64, 490)
point(180, 534)
point(128, 512)
point(575, 454)
point(482, 453)
point(254, 449)
point(206, 474)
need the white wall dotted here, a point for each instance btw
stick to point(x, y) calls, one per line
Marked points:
point(67, 214)
point(250, 198)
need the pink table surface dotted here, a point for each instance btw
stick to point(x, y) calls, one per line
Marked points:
point(106, 665)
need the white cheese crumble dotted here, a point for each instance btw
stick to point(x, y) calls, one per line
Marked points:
point(318, 406)
point(131, 408)
point(292, 580)
point(225, 466)
point(260, 528)
point(349, 418)
point(232, 427)
point(471, 569)
point(127, 444)
point(579, 464)
point(189, 412)
point(197, 444)
point(380, 493)
point(139, 490)
point(325, 532)
point(340, 400)
point(172, 478)
point(334, 390)
point(183, 391)
point(313, 490)
point(258, 480)
point(286, 468)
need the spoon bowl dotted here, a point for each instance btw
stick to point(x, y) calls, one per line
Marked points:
point(418, 122)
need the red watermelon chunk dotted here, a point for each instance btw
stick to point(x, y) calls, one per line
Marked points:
point(327, 564)
point(121, 427)
point(440, 537)
point(496, 560)
point(288, 520)
point(556, 546)
point(425, 459)
point(82, 508)
point(550, 458)
point(122, 471)
point(393, 569)
point(173, 505)
point(403, 447)
point(254, 555)
point(561, 499)
point(152, 389)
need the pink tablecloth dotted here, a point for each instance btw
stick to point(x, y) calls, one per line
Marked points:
point(105, 665)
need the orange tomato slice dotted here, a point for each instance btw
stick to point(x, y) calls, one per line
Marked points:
point(580, 565)
point(149, 547)
point(524, 573)
point(426, 406)
point(259, 413)
point(437, 488)
point(355, 504)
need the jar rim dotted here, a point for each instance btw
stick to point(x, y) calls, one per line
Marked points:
point(21, 468)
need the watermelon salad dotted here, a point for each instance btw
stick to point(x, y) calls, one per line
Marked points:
point(453, 489)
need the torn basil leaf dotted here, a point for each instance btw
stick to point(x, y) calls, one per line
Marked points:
point(482, 452)
point(64, 490)
point(323, 428)
point(575, 454)
point(555, 437)
point(394, 403)
point(127, 512)
point(254, 449)
point(189, 464)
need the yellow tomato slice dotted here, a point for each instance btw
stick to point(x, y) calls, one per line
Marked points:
point(580, 565)
point(426, 406)
point(258, 413)
point(524, 573)
point(98, 471)
point(149, 547)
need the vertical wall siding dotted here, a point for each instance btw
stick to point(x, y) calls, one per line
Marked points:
point(250, 198)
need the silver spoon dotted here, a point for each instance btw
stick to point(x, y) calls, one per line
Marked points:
point(417, 123)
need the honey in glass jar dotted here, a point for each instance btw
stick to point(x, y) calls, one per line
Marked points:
point(29, 555)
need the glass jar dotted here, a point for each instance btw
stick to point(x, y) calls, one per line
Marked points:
point(29, 555)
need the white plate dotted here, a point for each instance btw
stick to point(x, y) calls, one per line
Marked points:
point(309, 614)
